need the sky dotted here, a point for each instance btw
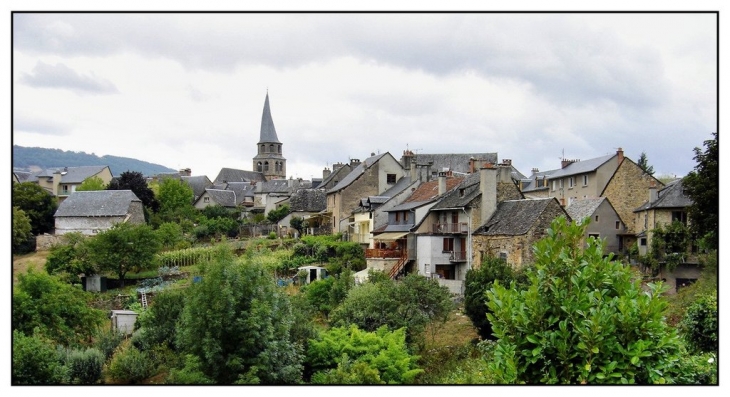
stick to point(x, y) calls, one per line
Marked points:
point(186, 90)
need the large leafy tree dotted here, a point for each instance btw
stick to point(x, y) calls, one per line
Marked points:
point(175, 198)
point(583, 319)
point(70, 258)
point(38, 204)
point(46, 306)
point(237, 324)
point(136, 182)
point(123, 248)
point(702, 185)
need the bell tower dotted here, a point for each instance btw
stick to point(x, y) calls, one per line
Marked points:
point(269, 159)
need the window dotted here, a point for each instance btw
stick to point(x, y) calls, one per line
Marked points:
point(258, 166)
point(461, 192)
point(263, 148)
point(642, 242)
point(503, 256)
point(454, 217)
point(271, 148)
point(585, 180)
point(596, 218)
point(555, 184)
point(279, 148)
point(594, 235)
point(206, 199)
point(266, 166)
point(571, 182)
point(405, 216)
point(391, 179)
point(679, 216)
point(448, 245)
point(541, 183)
point(397, 216)
point(618, 225)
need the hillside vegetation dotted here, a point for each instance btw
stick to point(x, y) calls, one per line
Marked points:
point(28, 158)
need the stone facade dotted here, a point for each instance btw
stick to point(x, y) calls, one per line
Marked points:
point(91, 225)
point(627, 191)
point(517, 248)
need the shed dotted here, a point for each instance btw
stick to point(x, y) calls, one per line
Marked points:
point(314, 273)
point(123, 321)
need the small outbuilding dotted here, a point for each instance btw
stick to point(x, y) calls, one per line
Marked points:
point(123, 321)
point(314, 273)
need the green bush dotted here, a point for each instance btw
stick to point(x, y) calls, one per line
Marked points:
point(158, 324)
point(583, 319)
point(700, 369)
point(107, 341)
point(129, 365)
point(85, 366)
point(35, 361)
point(699, 325)
point(190, 374)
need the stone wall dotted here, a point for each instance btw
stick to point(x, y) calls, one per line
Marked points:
point(628, 190)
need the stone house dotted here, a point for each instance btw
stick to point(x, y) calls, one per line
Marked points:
point(604, 222)
point(94, 211)
point(62, 182)
point(665, 206)
point(444, 240)
point(370, 178)
point(198, 183)
point(330, 178)
point(211, 196)
point(373, 211)
point(514, 228)
point(582, 179)
point(305, 204)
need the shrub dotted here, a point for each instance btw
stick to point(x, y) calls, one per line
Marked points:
point(699, 325)
point(107, 341)
point(85, 366)
point(129, 365)
point(700, 369)
point(35, 361)
point(190, 374)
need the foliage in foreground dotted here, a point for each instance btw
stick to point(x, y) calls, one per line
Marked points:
point(237, 323)
point(583, 319)
point(352, 356)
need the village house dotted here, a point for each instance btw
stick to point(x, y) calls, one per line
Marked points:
point(304, 204)
point(330, 178)
point(92, 212)
point(370, 178)
point(61, 182)
point(603, 221)
point(665, 206)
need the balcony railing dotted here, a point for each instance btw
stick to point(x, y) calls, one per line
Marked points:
point(457, 228)
point(383, 253)
point(457, 256)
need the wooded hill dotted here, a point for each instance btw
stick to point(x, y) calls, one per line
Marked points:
point(30, 158)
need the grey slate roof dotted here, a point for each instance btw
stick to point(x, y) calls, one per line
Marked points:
point(514, 217)
point(234, 175)
point(409, 205)
point(531, 185)
point(224, 198)
point(198, 183)
point(583, 208)
point(671, 196)
point(24, 176)
point(458, 162)
point(339, 173)
point(308, 200)
point(242, 190)
point(399, 186)
point(73, 174)
point(454, 199)
point(355, 173)
point(268, 132)
point(96, 203)
point(581, 167)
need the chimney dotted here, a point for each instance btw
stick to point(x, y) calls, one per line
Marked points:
point(407, 159)
point(354, 163)
point(442, 183)
point(653, 193)
point(620, 154)
point(326, 173)
point(564, 163)
point(488, 188)
point(412, 168)
point(507, 162)
point(57, 181)
point(185, 172)
point(428, 171)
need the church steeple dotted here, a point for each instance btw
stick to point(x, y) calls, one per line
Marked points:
point(269, 159)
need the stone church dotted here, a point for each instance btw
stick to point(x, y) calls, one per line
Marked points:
point(269, 161)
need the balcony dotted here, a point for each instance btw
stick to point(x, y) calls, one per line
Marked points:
point(362, 238)
point(453, 228)
point(384, 253)
point(457, 256)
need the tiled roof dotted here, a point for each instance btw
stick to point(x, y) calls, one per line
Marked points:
point(308, 200)
point(24, 176)
point(355, 173)
point(268, 132)
point(428, 191)
point(234, 175)
point(581, 167)
point(96, 203)
point(671, 196)
point(224, 198)
point(454, 198)
point(458, 162)
point(583, 208)
point(198, 183)
point(529, 183)
point(514, 217)
point(73, 174)
point(242, 190)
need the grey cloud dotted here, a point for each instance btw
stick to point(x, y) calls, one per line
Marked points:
point(24, 123)
point(61, 76)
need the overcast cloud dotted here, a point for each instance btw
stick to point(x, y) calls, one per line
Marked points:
point(189, 89)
